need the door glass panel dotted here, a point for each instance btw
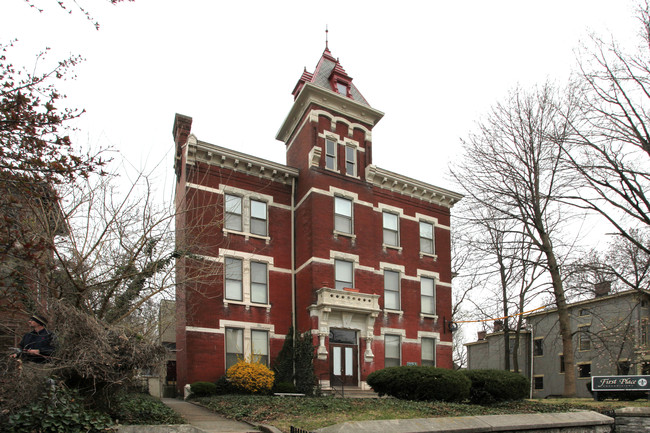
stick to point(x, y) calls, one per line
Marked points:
point(337, 361)
point(348, 362)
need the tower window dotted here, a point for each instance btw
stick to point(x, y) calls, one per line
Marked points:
point(344, 274)
point(330, 154)
point(343, 215)
point(391, 290)
point(351, 161)
point(342, 88)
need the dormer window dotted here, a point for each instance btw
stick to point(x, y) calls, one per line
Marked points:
point(342, 88)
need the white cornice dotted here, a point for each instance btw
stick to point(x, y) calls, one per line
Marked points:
point(326, 99)
point(410, 187)
point(199, 151)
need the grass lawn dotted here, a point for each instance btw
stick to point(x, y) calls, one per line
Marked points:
point(311, 413)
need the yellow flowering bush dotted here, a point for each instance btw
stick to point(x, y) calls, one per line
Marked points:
point(251, 376)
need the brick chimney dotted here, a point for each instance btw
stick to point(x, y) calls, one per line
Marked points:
point(482, 335)
point(498, 325)
point(602, 288)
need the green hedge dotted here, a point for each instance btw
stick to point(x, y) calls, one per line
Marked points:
point(203, 389)
point(494, 386)
point(143, 409)
point(420, 383)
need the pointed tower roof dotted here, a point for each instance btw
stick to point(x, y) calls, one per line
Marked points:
point(331, 88)
point(326, 75)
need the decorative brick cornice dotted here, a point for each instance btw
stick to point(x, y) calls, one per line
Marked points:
point(328, 99)
point(199, 151)
point(410, 187)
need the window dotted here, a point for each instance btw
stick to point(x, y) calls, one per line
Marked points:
point(645, 327)
point(350, 161)
point(584, 341)
point(258, 217)
point(538, 347)
point(343, 215)
point(234, 346)
point(233, 209)
point(561, 363)
point(584, 370)
point(330, 154)
point(344, 272)
point(234, 276)
point(259, 283)
point(260, 346)
point(538, 382)
point(426, 238)
point(624, 367)
point(584, 312)
point(428, 295)
point(391, 350)
point(428, 347)
point(342, 88)
point(391, 229)
point(391, 290)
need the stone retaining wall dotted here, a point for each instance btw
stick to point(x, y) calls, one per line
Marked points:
point(632, 420)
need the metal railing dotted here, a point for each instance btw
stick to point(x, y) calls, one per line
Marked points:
point(334, 380)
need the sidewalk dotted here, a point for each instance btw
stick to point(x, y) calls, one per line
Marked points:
point(207, 420)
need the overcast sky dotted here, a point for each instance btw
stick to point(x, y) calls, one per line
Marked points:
point(434, 68)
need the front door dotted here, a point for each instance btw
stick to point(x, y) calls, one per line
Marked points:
point(344, 358)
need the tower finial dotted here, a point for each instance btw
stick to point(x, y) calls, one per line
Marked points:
point(327, 48)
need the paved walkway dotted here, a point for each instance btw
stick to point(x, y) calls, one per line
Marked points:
point(207, 420)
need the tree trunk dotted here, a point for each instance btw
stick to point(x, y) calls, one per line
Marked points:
point(563, 316)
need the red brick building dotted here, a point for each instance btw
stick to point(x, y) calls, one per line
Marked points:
point(355, 254)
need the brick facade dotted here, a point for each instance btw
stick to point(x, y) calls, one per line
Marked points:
point(241, 217)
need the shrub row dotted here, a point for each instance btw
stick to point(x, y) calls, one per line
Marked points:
point(437, 384)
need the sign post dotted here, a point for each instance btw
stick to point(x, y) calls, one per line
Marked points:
point(620, 383)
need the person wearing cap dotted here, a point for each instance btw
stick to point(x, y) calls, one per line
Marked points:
point(38, 344)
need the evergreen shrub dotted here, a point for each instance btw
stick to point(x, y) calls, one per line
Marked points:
point(420, 383)
point(284, 387)
point(495, 386)
point(203, 389)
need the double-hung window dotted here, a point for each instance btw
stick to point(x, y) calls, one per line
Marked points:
point(428, 295)
point(344, 273)
point(392, 350)
point(330, 154)
point(234, 346)
point(234, 279)
point(350, 161)
point(391, 229)
point(233, 212)
point(427, 245)
point(259, 283)
point(260, 346)
point(391, 290)
point(343, 215)
point(258, 217)
point(538, 347)
point(428, 347)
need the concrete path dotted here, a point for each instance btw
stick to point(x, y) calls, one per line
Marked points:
point(207, 420)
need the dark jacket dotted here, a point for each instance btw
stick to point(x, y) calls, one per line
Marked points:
point(42, 340)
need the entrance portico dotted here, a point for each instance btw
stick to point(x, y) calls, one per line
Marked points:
point(345, 317)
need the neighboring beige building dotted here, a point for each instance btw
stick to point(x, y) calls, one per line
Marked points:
point(163, 384)
point(611, 336)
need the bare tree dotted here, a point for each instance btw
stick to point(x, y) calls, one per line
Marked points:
point(612, 134)
point(499, 261)
point(513, 167)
